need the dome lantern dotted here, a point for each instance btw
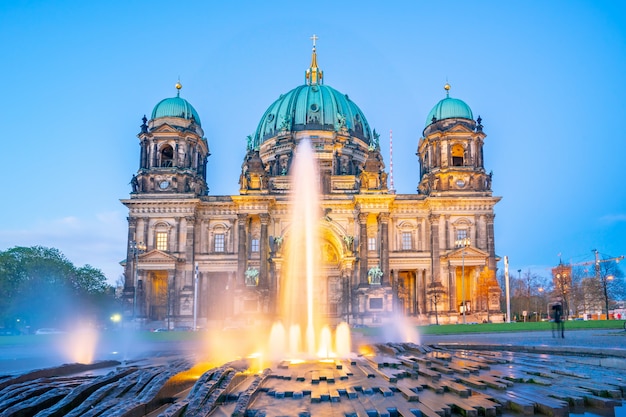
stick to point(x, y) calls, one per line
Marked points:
point(313, 74)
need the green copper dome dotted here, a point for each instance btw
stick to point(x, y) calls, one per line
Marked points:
point(175, 107)
point(313, 106)
point(449, 108)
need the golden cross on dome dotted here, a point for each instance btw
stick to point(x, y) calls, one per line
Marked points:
point(314, 38)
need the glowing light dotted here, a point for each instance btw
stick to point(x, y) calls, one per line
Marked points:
point(80, 344)
point(325, 350)
point(343, 343)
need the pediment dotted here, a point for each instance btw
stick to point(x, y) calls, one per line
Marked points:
point(456, 256)
point(156, 256)
point(164, 128)
point(460, 128)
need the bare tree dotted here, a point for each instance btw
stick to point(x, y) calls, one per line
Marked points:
point(518, 291)
point(435, 293)
point(611, 282)
point(562, 290)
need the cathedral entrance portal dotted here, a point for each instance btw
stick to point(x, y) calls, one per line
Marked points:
point(405, 289)
point(157, 295)
point(464, 289)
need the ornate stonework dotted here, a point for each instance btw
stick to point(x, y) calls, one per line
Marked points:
point(411, 238)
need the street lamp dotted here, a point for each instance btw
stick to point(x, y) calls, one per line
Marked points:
point(135, 249)
point(540, 307)
point(464, 243)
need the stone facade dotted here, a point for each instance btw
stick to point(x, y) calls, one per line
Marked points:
point(198, 259)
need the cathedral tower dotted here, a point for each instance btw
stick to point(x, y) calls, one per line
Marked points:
point(451, 151)
point(173, 150)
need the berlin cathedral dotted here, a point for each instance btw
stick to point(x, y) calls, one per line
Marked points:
point(199, 259)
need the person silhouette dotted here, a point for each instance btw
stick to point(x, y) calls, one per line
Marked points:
point(557, 310)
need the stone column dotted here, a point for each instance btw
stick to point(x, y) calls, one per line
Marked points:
point(242, 220)
point(478, 237)
point(383, 220)
point(491, 246)
point(395, 289)
point(144, 154)
point(347, 280)
point(264, 251)
point(447, 243)
point(189, 242)
point(140, 296)
point(413, 294)
point(434, 246)
point(273, 288)
point(203, 237)
point(363, 248)
point(420, 288)
point(176, 234)
point(452, 287)
point(171, 298)
point(129, 280)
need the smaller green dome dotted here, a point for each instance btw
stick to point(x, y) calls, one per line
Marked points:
point(449, 108)
point(176, 107)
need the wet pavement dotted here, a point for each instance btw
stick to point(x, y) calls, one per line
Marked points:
point(470, 374)
point(606, 341)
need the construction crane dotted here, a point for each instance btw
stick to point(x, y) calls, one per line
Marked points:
point(598, 261)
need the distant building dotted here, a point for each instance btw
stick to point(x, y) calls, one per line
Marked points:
point(380, 251)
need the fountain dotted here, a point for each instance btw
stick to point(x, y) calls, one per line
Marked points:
point(308, 336)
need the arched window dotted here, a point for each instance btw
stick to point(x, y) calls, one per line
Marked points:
point(407, 236)
point(458, 153)
point(162, 236)
point(219, 238)
point(167, 156)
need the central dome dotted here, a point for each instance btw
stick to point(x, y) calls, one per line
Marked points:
point(313, 106)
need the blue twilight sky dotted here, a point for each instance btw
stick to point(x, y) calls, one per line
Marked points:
point(547, 78)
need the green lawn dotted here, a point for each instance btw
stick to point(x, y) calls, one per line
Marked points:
point(367, 331)
point(505, 327)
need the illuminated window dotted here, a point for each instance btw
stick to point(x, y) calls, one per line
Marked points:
point(219, 243)
point(407, 242)
point(461, 234)
point(161, 241)
point(255, 245)
point(458, 153)
point(371, 243)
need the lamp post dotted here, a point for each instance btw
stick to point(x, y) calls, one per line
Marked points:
point(136, 248)
point(464, 243)
point(539, 302)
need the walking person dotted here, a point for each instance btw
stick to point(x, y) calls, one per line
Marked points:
point(557, 310)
